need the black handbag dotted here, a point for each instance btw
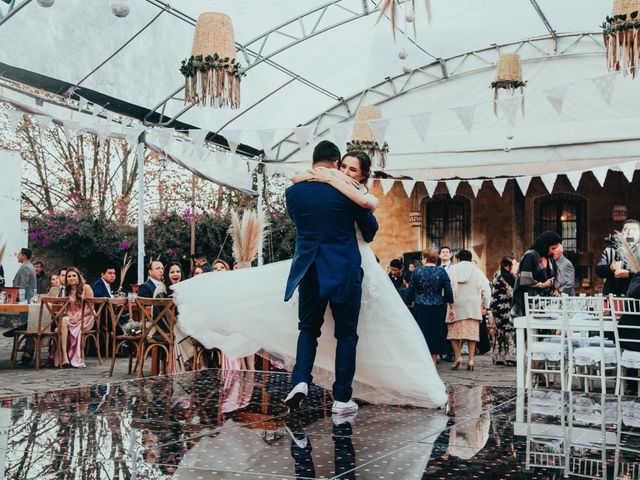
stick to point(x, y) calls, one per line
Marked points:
point(484, 345)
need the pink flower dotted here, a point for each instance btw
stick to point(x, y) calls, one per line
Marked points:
point(124, 245)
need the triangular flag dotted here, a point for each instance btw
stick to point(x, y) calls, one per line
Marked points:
point(198, 135)
point(303, 135)
point(556, 97)
point(466, 114)
point(82, 104)
point(431, 187)
point(379, 129)
point(69, 127)
point(500, 184)
point(479, 250)
point(386, 184)
point(605, 85)
point(266, 139)
point(14, 118)
point(421, 124)
point(628, 169)
point(523, 183)
point(96, 110)
point(165, 137)
point(341, 132)
point(574, 179)
point(601, 174)
point(452, 186)
point(43, 121)
point(476, 185)
point(408, 186)
point(509, 106)
point(549, 180)
point(109, 115)
point(233, 139)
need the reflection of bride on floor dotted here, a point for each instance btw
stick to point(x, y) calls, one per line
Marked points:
point(242, 312)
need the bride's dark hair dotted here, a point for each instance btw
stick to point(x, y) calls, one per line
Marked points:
point(365, 163)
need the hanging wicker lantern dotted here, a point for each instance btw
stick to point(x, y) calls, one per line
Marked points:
point(212, 75)
point(363, 138)
point(508, 77)
point(621, 37)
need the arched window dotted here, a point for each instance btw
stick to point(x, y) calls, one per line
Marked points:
point(447, 222)
point(565, 214)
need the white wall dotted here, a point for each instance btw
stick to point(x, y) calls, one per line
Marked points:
point(12, 231)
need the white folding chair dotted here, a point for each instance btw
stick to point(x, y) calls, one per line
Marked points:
point(628, 336)
point(627, 464)
point(590, 357)
point(544, 348)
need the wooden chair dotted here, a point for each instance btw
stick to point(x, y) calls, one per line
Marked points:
point(158, 320)
point(11, 294)
point(199, 352)
point(116, 308)
point(56, 308)
point(96, 305)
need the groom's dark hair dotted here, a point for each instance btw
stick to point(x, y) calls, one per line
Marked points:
point(326, 152)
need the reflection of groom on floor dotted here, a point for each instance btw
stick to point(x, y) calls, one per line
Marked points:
point(326, 270)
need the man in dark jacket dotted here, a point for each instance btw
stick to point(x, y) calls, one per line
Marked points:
point(612, 268)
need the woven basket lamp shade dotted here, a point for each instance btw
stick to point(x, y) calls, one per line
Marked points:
point(508, 77)
point(212, 75)
point(363, 139)
point(621, 37)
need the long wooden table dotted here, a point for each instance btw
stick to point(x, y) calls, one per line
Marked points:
point(14, 307)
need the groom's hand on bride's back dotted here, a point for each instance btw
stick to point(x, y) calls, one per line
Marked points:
point(367, 223)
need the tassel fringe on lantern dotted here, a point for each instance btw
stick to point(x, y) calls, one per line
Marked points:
point(621, 40)
point(212, 81)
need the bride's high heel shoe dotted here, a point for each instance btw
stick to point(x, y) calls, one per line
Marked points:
point(456, 364)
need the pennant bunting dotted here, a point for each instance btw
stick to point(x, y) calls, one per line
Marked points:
point(509, 106)
point(556, 97)
point(82, 104)
point(14, 119)
point(500, 184)
point(198, 135)
point(233, 139)
point(43, 121)
point(574, 179)
point(303, 135)
point(431, 187)
point(601, 174)
point(475, 185)
point(523, 183)
point(70, 128)
point(465, 115)
point(421, 125)
point(266, 140)
point(379, 129)
point(452, 186)
point(387, 185)
point(341, 132)
point(606, 85)
point(408, 186)
point(549, 180)
point(628, 169)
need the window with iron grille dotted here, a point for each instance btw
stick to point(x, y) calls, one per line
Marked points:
point(566, 215)
point(447, 222)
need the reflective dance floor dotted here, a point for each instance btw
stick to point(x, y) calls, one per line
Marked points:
point(229, 424)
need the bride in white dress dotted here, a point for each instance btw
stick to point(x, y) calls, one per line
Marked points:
point(242, 312)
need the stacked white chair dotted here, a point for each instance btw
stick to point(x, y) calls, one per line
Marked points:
point(627, 463)
point(544, 348)
point(628, 358)
point(590, 357)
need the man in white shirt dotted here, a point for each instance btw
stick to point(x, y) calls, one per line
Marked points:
point(445, 258)
point(154, 286)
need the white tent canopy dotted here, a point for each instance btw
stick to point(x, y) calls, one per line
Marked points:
point(314, 62)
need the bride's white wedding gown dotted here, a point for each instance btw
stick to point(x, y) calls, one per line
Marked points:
point(242, 312)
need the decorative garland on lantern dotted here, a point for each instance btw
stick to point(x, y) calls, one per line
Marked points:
point(371, 148)
point(213, 77)
point(622, 42)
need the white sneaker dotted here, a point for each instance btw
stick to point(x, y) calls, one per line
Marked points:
point(344, 408)
point(296, 396)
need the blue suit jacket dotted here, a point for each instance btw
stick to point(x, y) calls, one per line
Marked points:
point(146, 289)
point(325, 235)
point(100, 289)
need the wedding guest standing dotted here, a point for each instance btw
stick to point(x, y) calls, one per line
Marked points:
point(41, 277)
point(504, 346)
point(430, 291)
point(395, 273)
point(26, 275)
point(536, 271)
point(69, 354)
point(102, 286)
point(445, 258)
point(201, 261)
point(472, 298)
point(612, 268)
point(566, 273)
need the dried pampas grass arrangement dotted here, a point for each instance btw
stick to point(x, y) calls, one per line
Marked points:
point(126, 264)
point(625, 252)
point(391, 6)
point(247, 233)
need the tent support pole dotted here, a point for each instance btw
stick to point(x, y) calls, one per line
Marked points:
point(260, 180)
point(140, 155)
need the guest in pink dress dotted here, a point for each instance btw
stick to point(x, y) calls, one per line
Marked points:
point(69, 352)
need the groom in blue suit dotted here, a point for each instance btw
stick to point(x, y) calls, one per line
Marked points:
point(326, 270)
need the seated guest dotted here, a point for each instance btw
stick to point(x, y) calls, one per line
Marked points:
point(102, 286)
point(154, 287)
point(183, 344)
point(55, 281)
point(68, 354)
point(430, 290)
point(42, 277)
point(201, 261)
point(220, 266)
point(58, 290)
point(174, 275)
point(198, 271)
